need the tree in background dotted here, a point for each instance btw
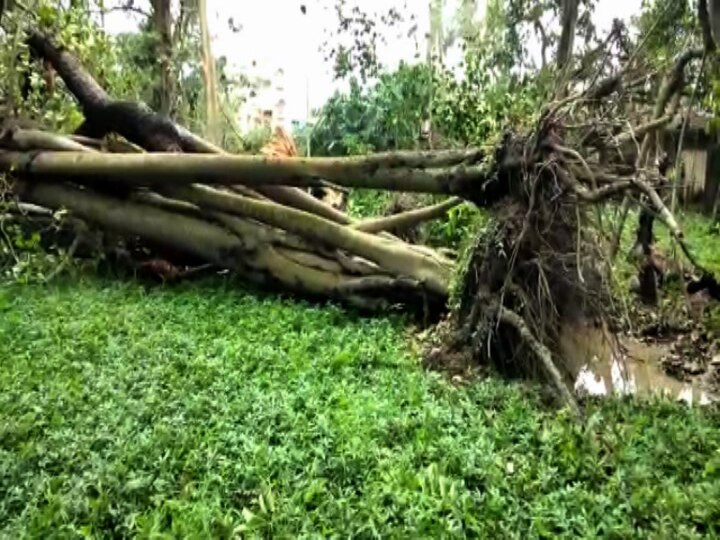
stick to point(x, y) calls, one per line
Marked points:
point(209, 77)
point(163, 23)
point(162, 64)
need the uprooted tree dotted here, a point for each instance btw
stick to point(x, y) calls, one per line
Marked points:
point(542, 263)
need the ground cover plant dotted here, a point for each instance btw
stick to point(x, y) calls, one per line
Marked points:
point(207, 410)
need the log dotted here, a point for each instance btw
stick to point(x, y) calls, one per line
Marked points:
point(393, 256)
point(175, 169)
point(243, 249)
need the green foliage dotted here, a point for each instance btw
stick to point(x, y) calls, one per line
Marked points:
point(667, 26)
point(137, 67)
point(210, 412)
point(22, 258)
point(72, 27)
point(385, 116)
point(389, 115)
point(365, 203)
point(478, 107)
point(254, 140)
point(461, 222)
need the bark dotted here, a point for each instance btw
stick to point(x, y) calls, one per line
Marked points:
point(178, 169)
point(209, 77)
point(395, 257)
point(180, 232)
point(33, 139)
point(713, 11)
point(568, 18)
point(408, 219)
point(281, 194)
point(246, 247)
point(648, 273)
point(78, 81)
point(103, 115)
point(162, 21)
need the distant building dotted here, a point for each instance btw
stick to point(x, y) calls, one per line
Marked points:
point(700, 159)
point(699, 176)
point(265, 104)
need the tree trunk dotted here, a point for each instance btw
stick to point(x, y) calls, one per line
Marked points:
point(568, 17)
point(209, 76)
point(165, 89)
point(258, 253)
point(159, 169)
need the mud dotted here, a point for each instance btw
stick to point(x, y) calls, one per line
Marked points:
point(604, 365)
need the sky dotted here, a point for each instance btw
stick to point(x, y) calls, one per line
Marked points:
point(275, 34)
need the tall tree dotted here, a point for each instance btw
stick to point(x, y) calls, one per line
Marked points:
point(209, 76)
point(568, 17)
point(436, 36)
point(162, 24)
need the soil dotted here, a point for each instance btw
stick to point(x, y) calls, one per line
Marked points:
point(669, 350)
point(672, 348)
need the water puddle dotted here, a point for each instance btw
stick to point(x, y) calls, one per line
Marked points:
point(630, 367)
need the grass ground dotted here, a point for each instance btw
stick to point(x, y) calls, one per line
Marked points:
point(206, 411)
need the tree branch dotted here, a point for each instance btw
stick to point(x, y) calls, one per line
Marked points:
point(177, 169)
point(543, 354)
point(407, 219)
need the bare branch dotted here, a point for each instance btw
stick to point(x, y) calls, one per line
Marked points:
point(407, 219)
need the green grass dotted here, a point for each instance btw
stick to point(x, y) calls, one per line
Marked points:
point(207, 411)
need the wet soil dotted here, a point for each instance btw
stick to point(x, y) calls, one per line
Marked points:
point(679, 366)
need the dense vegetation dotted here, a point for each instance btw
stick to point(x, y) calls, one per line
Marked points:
point(207, 410)
point(213, 410)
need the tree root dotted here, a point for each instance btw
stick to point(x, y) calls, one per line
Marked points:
point(545, 356)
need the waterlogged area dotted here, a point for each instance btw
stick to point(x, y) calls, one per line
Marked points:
point(627, 366)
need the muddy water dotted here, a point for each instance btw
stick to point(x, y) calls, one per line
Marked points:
point(605, 366)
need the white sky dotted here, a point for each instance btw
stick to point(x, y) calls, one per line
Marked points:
point(275, 34)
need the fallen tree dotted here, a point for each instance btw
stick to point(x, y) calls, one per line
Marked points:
point(540, 265)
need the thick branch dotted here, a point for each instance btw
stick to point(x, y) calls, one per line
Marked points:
point(243, 250)
point(393, 256)
point(704, 16)
point(178, 169)
point(77, 79)
point(33, 139)
point(644, 129)
point(282, 194)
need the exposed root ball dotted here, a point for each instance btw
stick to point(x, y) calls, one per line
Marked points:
point(530, 271)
